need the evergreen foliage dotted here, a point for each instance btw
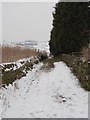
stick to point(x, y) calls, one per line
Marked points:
point(70, 27)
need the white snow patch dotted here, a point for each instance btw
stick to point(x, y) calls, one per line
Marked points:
point(7, 69)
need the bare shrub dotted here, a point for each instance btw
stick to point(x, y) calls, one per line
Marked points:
point(85, 52)
point(47, 65)
point(16, 85)
point(42, 56)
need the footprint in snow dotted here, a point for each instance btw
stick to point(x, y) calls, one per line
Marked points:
point(60, 99)
point(54, 115)
point(39, 111)
point(32, 114)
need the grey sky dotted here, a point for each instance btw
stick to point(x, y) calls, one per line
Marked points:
point(0, 22)
point(26, 21)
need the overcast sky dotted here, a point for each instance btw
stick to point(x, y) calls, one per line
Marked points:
point(26, 21)
point(0, 22)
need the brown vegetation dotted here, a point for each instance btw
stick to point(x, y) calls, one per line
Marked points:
point(11, 54)
point(85, 52)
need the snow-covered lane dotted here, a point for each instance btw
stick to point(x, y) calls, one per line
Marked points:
point(54, 94)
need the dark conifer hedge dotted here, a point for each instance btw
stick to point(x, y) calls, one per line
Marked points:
point(70, 31)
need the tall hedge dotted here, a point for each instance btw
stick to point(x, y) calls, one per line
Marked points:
point(70, 27)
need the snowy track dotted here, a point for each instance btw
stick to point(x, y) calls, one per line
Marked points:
point(54, 94)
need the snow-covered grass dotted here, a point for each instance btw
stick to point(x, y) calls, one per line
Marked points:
point(15, 70)
point(53, 94)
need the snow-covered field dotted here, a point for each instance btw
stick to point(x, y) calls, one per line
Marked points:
point(37, 45)
point(40, 94)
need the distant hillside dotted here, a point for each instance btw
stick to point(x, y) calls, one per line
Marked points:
point(38, 45)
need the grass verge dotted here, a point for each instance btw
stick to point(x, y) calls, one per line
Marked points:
point(10, 75)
